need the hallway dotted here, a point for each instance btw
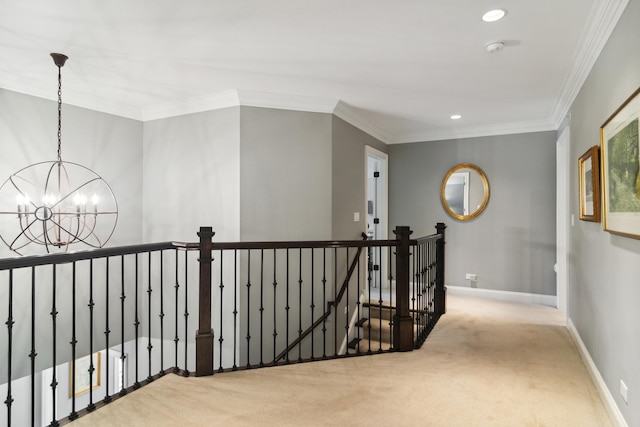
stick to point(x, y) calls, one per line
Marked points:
point(486, 363)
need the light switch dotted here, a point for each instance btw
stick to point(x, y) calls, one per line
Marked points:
point(356, 217)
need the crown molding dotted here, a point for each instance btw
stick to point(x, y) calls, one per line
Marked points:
point(235, 98)
point(361, 121)
point(77, 100)
point(602, 19)
point(473, 132)
point(250, 98)
point(311, 104)
point(197, 104)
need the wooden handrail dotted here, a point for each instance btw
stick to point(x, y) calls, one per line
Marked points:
point(67, 257)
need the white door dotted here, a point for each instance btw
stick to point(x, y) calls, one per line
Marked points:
point(562, 219)
point(376, 183)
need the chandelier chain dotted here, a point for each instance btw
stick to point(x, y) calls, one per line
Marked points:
point(59, 114)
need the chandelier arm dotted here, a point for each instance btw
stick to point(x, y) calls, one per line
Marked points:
point(84, 226)
point(60, 227)
point(23, 232)
point(45, 236)
point(28, 232)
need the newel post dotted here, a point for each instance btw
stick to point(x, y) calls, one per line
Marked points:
point(441, 290)
point(204, 335)
point(402, 320)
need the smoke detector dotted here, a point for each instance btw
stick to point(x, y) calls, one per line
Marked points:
point(494, 46)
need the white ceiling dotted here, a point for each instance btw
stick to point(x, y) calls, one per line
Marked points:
point(396, 69)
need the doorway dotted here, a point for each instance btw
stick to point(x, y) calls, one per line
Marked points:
point(563, 228)
point(376, 207)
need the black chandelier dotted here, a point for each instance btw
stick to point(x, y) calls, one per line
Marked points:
point(55, 204)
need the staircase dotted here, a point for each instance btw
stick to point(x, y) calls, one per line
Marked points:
point(375, 328)
point(375, 331)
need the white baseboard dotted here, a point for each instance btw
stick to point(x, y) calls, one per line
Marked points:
point(521, 297)
point(607, 398)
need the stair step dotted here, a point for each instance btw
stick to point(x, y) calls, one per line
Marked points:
point(361, 322)
point(376, 328)
point(386, 310)
point(365, 345)
point(381, 312)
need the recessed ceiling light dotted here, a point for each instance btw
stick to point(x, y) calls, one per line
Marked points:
point(494, 15)
point(456, 116)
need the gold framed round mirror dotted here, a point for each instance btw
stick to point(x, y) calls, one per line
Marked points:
point(464, 192)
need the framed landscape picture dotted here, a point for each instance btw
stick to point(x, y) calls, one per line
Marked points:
point(84, 379)
point(620, 169)
point(589, 168)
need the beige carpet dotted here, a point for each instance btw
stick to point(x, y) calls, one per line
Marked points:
point(486, 363)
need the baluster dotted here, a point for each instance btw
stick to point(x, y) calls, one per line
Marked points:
point(54, 316)
point(422, 251)
point(378, 272)
point(313, 306)
point(221, 339)
point(149, 345)
point(123, 356)
point(335, 302)
point(10, 322)
point(261, 306)
point(275, 312)
point(176, 340)
point(300, 304)
point(358, 317)
point(91, 304)
point(249, 308)
point(107, 398)
point(235, 309)
point(287, 306)
point(186, 312)
point(33, 353)
point(369, 300)
point(74, 341)
point(136, 325)
point(161, 315)
point(324, 302)
point(346, 311)
point(417, 275)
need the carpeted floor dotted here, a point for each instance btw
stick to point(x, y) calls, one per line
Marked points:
point(487, 363)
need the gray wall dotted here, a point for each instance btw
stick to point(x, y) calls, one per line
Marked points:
point(348, 170)
point(285, 181)
point(192, 176)
point(511, 245)
point(603, 291)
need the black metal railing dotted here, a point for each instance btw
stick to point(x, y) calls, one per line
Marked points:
point(273, 315)
point(75, 320)
point(89, 327)
point(427, 285)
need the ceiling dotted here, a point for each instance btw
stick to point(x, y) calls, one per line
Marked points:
point(396, 69)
